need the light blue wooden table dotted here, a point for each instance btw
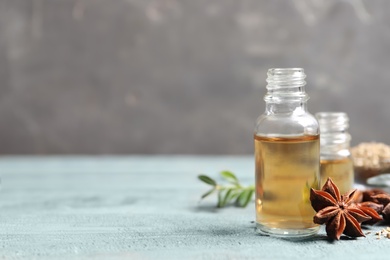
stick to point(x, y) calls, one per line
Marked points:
point(141, 208)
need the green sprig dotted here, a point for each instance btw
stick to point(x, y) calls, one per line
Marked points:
point(227, 194)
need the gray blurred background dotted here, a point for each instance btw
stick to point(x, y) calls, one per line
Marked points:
point(181, 76)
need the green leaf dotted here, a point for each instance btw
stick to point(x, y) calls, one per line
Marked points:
point(227, 197)
point(208, 193)
point(229, 176)
point(249, 198)
point(207, 179)
point(219, 205)
point(244, 198)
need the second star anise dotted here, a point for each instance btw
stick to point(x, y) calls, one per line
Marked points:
point(384, 199)
point(339, 212)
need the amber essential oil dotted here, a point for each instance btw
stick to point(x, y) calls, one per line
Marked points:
point(286, 169)
point(340, 171)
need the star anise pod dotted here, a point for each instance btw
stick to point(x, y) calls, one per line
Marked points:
point(369, 206)
point(368, 195)
point(377, 199)
point(384, 199)
point(372, 209)
point(339, 212)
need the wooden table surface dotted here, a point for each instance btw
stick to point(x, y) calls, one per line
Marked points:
point(142, 207)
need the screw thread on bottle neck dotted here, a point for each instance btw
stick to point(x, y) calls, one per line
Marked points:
point(286, 84)
point(334, 131)
point(333, 121)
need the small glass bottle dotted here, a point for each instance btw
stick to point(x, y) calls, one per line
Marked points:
point(336, 161)
point(287, 157)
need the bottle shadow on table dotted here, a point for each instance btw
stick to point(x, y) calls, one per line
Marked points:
point(319, 237)
point(211, 208)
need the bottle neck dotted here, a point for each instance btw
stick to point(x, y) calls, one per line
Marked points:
point(286, 108)
point(335, 140)
point(332, 142)
point(286, 91)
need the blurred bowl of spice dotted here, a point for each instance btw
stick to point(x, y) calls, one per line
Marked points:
point(369, 160)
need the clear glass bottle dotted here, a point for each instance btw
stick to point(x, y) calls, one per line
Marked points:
point(287, 157)
point(336, 161)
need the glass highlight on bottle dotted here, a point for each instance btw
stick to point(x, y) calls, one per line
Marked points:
point(287, 157)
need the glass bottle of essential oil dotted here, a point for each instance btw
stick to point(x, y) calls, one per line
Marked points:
point(287, 157)
point(336, 161)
